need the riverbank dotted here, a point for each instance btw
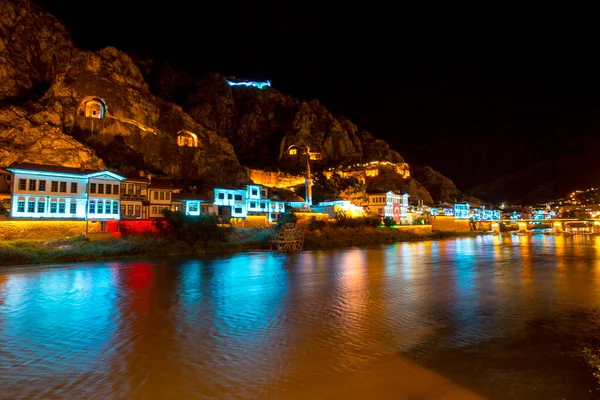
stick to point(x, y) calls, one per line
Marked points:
point(78, 248)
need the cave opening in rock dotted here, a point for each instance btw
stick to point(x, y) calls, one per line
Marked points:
point(187, 139)
point(92, 107)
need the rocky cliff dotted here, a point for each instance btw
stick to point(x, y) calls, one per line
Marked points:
point(49, 88)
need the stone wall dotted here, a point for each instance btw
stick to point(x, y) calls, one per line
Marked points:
point(449, 224)
point(275, 179)
point(44, 229)
point(419, 229)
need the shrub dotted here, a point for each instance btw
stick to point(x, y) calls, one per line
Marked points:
point(192, 229)
point(389, 222)
point(288, 217)
point(316, 224)
point(345, 221)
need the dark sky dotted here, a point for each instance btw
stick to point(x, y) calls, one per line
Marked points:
point(475, 93)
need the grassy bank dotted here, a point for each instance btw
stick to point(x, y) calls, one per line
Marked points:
point(75, 249)
point(329, 238)
point(32, 251)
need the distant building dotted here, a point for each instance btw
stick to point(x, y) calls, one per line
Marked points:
point(387, 204)
point(193, 204)
point(53, 192)
point(250, 201)
point(134, 196)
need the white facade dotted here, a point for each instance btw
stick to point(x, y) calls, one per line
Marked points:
point(40, 191)
point(388, 204)
point(250, 201)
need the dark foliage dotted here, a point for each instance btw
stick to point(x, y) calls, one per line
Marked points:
point(191, 229)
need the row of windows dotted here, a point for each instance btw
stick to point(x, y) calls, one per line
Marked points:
point(163, 195)
point(238, 197)
point(253, 205)
point(39, 207)
point(131, 188)
point(383, 200)
point(129, 210)
point(40, 185)
point(101, 188)
point(103, 207)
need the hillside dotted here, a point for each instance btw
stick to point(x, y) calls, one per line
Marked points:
point(146, 115)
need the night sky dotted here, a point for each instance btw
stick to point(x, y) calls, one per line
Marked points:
point(475, 93)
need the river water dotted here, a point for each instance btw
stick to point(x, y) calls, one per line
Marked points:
point(503, 317)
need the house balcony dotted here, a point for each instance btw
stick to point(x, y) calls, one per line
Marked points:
point(135, 197)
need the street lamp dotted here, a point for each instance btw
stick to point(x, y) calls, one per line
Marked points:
point(308, 182)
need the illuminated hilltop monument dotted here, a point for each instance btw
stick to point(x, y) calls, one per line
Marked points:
point(257, 84)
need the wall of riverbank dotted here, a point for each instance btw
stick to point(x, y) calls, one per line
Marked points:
point(449, 224)
point(10, 230)
point(363, 236)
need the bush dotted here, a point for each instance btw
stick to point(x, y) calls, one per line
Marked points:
point(315, 224)
point(389, 222)
point(193, 229)
point(345, 221)
point(288, 217)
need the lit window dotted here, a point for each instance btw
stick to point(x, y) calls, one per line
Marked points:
point(63, 187)
point(42, 187)
point(92, 188)
point(73, 207)
point(293, 152)
point(101, 188)
point(31, 206)
point(92, 207)
point(193, 207)
point(22, 184)
point(21, 206)
point(61, 207)
point(41, 207)
point(32, 185)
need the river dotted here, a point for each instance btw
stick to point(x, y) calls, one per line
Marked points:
point(501, 317)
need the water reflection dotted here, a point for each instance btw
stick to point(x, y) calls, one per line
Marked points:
point(269, 325)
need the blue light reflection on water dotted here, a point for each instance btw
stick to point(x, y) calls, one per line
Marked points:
point(254, 324)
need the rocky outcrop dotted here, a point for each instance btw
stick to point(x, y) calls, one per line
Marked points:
point(441, 188)
point(140, 107)
point(34, 47)
point(262, 124)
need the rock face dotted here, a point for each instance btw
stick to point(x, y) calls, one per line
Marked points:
point(441, 188)
point(34, 47)
point(263, 124)
point(61, 105)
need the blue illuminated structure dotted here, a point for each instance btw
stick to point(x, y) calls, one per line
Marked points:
point(462, 211)
point(256, 84)
point(251, 201)
point(54, 192)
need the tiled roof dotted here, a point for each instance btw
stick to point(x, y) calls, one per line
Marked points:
point(51, 168)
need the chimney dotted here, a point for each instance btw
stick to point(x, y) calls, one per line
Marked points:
point(142, 174)
point(149, 176)
point(82, 167)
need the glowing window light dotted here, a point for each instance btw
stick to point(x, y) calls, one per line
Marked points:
point(256, 84)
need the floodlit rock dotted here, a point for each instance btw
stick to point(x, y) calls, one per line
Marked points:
point(34, 47)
